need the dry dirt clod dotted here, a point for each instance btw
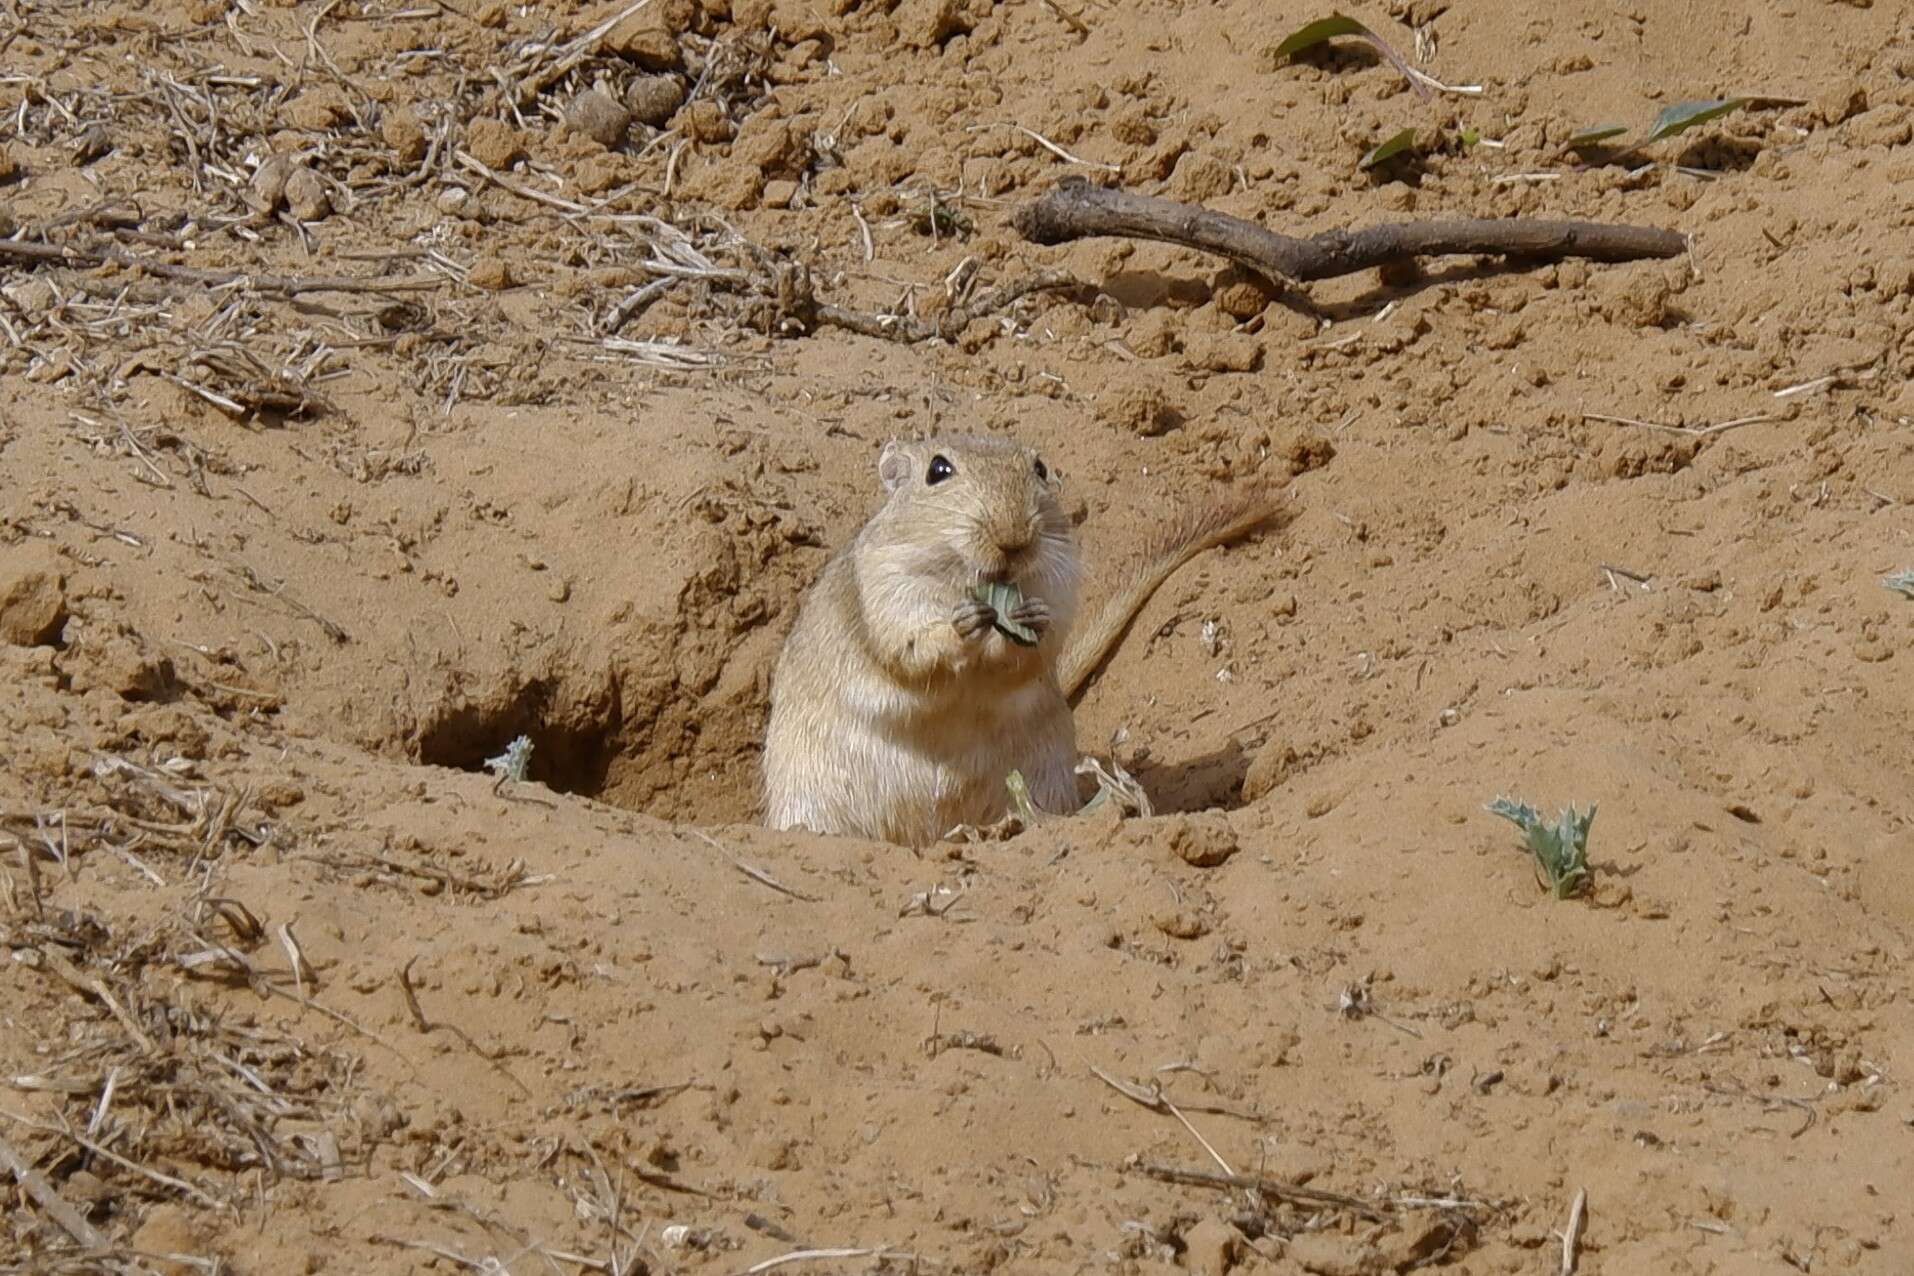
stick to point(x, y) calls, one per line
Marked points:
point(269, 182)
point(643, 39)
point(924, 24)
point(492, 274)
point(402, 131)
point(1212, 1247)
point(1203, 841)
point(306, 195)
point(32, 597)
point(495, 144)
point(705, 121)
point(1223, 351)
point(1139, 405)
point(1242, 295)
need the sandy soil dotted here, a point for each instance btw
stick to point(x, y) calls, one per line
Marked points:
point(295, 986)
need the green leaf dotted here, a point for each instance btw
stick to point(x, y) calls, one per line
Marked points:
point(1590, 136)
point(1022, 804)
point(512, 764)
point(1338, 24)
point(1318, 31)
point(1901, 582)
point(1683, 116)
point(1003, 599)
point(1560, 849)
point(1520, 814)
point(1389, 149)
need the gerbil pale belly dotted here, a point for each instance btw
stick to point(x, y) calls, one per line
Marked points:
point(910, 771)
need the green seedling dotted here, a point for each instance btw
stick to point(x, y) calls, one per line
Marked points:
point(1389, 148)
point(1003, 599)
point(1675, 119)
point(1901, 582)
point(1560, 849)
point(1325, 29)
point(1022, 805)
point(1589, 136)
point(1683, 116)
point(511, 764)
point(1336, 24)
point(942, 221)
point(1115, 787)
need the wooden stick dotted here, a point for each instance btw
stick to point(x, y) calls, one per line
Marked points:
point(1572, 1234)
point(1077, 210)
point(1275, 1189)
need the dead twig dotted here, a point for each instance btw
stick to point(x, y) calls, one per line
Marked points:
point(1077, 210)
point(755, 874)
point(71, 1221)
point(1273, 1189)
point(428, 1026)
point(1572, 1234)
point(821, 1255)
point(950, 324)
point(530, 81)
point(1153, 1098)
point(1693, 431)
point(1769, 1102)
point(280, 285)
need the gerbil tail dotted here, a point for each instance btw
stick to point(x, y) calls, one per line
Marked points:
point(1228, 517)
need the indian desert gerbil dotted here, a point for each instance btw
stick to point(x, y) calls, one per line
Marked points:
point(898, 707)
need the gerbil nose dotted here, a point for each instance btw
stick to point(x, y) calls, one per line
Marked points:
point(1013, 537)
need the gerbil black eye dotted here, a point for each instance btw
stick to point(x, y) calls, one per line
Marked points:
point(1043, 471)
point(940, 469)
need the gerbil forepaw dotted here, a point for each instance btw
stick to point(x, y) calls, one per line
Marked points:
point(1032, 614)
point(973, 619)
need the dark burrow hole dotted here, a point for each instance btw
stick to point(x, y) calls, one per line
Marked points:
point(688, 759)
point(564, 759)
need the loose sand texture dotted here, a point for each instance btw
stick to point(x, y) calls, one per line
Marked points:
point(383, 380)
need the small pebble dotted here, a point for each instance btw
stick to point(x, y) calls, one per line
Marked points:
point(654, 99)
point(598, 116)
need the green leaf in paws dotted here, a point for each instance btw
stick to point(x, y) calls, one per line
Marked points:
point(1003, 599)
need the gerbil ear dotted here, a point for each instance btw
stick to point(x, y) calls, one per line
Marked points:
point(894, 467)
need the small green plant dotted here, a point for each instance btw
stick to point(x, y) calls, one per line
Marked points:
point(1560, 849)
point(511, 764)
point(1678, 118)
point(1424, 85)
point(941, 221)
point(1901, 582)
point(1325, 29)
point(1388, 148)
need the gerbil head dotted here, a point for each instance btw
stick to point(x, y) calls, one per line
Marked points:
point(985, 509)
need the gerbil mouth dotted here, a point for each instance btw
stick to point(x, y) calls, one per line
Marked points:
point(1013, 576)
point(1006, 567)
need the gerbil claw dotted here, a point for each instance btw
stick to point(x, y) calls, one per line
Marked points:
point(1032, 613)
point(973, 618)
